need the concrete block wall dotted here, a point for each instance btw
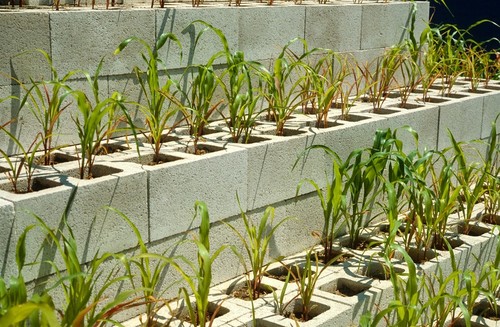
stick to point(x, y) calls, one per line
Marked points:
point(343, 27)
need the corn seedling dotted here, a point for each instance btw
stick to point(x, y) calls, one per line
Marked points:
point(151, 266)
point(281, 86)
point(379, 76)
point(333, 200)
point(471, 178)
point(157, 112)
point(325, 86)
point(24, 164)
point(256, 244)
point(306, 280)
point(241, 113)
point(46, 102)
point(79, 281)
point(16, 309)
point(199, 282)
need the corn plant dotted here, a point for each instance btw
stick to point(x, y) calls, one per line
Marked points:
point(491, 168)
point(158, 113)
point(325, 86)
point(411, 77)
point(471, 178)
point(242, 113)
point(151, 266)
point(16, 309)
point(46, 100)
point(406, 304)
point(196, 104)
point(350, 91)
point(379, 76)
point(90, 129)
point(281, 86)
point(332, 199)
point(256, 244)
point(24, 164)
point(199, 282)
point(79, 283)
point(441, 201)
point(306, 281)
point(364, 168)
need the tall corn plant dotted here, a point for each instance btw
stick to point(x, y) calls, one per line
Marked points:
point(158, 113)
point(332, 199)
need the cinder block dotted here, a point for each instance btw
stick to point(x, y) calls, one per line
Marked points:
point(423, 120)
point(270, 177)
point(275, 28)
point(174, 187)
point(460, 116)
point(49, 205)
point(7, 243)
point(103, 31)
point(178, 22)
point(22, 33)
point(326, 27)
point(384, 24)
point(491, 109)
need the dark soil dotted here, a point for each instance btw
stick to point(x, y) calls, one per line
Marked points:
point(491, 219)
point(243, 293)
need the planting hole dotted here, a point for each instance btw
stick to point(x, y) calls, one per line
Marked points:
point(408, 106)
point(214, 311)
point(491, 219)
point(363, 243)
point(461, 323)
point(344, 287)
point(377, 270)
point(486, 309)
point(472, 229)
point(280, 273)
point(202, 149)
point(295, 310)
point(433, 100)
point(353, 118)
point(97, 171)
point(480, 91)
point(37, 184)
point(241, 290)
point(56, 158)
point(150, 159)
point(455, 96)
point(339, 257)
point(382, 111)
point(322, 124)
point(419, 255)
point(105, 149)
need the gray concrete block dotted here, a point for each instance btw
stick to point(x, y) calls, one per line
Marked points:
point(491, 109)
point(270, 176)
point(460, 116)
point(384, 24)
point(174, 187)
point(103, 31)
point(178, 22)
point(22, 33)
point(326, 27)
point(276, 27)
point(7, 243)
